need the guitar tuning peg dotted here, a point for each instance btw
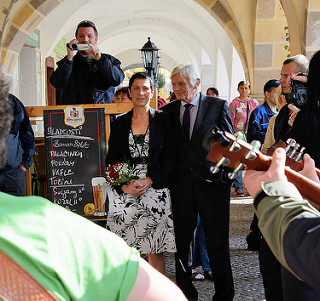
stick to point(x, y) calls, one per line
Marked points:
point(219, 136)
point(251, 155)
point(235, 147)
point(294, 150)
point(290, 140)
point(299, 155)
point(256, 144)
point(238, 135)
point(222, 162)
point(290, 143)
point(233, 175)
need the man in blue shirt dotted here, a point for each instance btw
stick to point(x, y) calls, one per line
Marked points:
point(258, 124)
point(20, 148)
point(259, 118)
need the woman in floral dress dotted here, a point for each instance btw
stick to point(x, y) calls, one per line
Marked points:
point(140, 211)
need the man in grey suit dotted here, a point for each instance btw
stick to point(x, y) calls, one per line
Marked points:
point(194, 189)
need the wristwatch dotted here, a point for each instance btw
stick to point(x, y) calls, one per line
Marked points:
point(68, 46)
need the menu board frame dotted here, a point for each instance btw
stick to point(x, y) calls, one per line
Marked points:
point(75, 143)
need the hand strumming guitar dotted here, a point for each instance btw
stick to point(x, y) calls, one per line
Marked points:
point(253, 179)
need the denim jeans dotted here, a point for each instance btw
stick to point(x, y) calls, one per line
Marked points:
point(12, 181)
point(238, 183)
point(199, 253)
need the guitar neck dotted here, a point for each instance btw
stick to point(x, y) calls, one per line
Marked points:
point(295, 165)
point(308, 188)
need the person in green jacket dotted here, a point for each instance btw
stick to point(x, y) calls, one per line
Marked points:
point(289, 224)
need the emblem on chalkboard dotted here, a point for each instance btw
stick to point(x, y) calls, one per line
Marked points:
point(73, 116)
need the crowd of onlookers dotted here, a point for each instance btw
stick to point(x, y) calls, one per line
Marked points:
point(178, 201)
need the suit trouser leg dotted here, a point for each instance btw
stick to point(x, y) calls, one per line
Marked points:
point(213, 203)
point(185, 221)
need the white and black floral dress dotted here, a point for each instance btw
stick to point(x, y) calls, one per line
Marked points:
point(144, 222)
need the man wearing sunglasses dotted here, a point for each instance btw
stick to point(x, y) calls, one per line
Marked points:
point(85, 75)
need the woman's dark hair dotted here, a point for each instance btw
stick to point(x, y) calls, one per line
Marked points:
point(141, 75)
point(242, 83)
point(5, 119)
point(124, 90)
point(213, 90)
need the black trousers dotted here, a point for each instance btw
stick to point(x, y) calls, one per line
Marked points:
point(191, 195)
point(270, 269)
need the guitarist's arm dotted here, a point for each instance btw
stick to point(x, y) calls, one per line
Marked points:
point(290, 225)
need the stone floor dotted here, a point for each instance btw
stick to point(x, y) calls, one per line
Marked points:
point(245, 266)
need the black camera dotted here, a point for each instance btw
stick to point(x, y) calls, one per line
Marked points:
point(80, 47)
point(298, 95)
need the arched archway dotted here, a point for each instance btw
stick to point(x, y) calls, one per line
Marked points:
point(180, 39)
point(241, 21)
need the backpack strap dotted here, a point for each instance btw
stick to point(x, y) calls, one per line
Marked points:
point(17, 284)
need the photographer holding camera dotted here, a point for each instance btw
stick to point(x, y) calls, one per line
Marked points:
point(290, 68)
point(296, 121)
point(85, 75)
point(305, 129)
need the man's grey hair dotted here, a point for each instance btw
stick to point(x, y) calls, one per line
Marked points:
point(301, 61)
point(188, 71)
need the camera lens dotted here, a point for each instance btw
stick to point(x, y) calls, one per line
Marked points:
point(74, 46)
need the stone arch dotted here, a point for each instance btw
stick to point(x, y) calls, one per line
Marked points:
point(224, 14)
point(24, 16)
point(21, 19)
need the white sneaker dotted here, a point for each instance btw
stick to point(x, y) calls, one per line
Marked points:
point(197, 276)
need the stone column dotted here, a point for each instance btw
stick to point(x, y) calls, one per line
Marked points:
point(313, 28)
point(269, 42)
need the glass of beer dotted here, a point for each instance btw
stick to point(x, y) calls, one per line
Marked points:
point(98, 196)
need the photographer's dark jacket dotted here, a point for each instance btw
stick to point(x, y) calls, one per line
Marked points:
point(20, 140)
point(78, 83)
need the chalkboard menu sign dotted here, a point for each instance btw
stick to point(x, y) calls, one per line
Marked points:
point(75, 140)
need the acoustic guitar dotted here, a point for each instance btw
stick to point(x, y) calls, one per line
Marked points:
point(224, 149)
